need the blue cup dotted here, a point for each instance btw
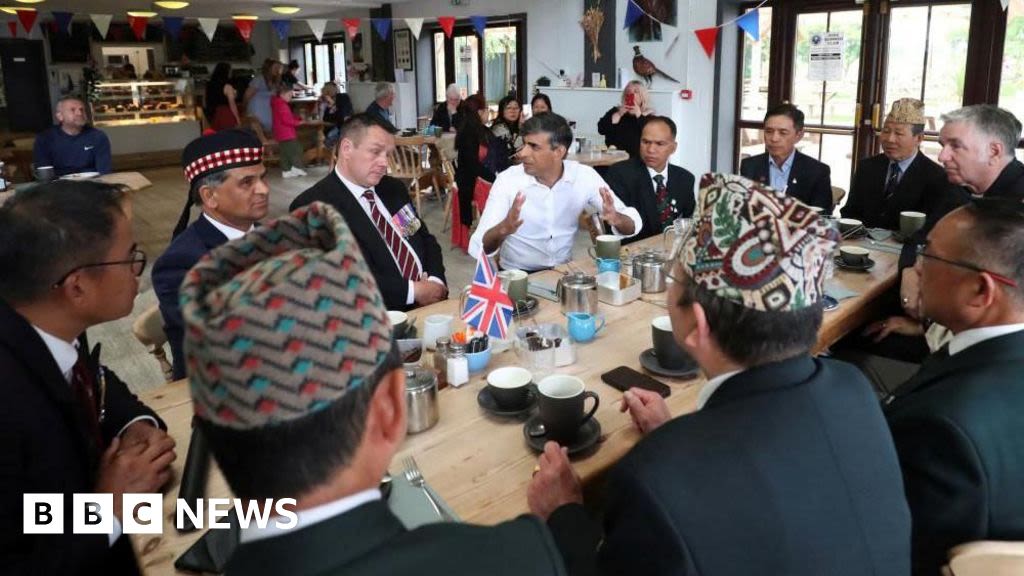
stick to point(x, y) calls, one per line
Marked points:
point(608, 265)
point(583, 326)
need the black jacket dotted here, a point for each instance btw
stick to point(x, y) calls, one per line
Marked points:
point(810, 181)
point(625, 135)
point(47, 448)
point(923, 188)
point(395, 196)
point(632, 183)
point(959, 432)
point(442, 119)
point(168, 273)
point(788, 469)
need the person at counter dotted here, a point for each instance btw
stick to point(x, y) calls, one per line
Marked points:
point(221, 107)
point(72, 145)
point(384, 98)
point(446, 114)
point(660, 191)
point(787, 465)
point(291, 77)
point(532, 213)
point(621, 125)
point(327, 435)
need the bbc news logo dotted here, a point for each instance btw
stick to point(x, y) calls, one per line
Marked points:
point(143, 513)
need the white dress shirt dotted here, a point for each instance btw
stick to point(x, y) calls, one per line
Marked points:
point(968, 338)
point(711, 386)
point(229, 232)
point(550, 215)
point(778, 176)
point(310, 516)
point(65, 354)
point(357, 191)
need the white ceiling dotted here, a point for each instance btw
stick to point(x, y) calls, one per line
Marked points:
point(206, 8)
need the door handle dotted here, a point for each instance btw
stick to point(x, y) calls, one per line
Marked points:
point(876, 110)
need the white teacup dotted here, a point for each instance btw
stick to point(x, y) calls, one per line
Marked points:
point(436, 326)
point(854, 255)
point(847, 224)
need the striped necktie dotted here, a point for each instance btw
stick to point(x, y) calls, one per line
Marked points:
point(400, 250)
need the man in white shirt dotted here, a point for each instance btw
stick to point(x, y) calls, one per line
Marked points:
point(227, 179)
point(533, 210)
point(957, 423)
point(69, 424)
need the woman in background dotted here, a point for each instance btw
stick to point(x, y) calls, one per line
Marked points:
point(621, 126)
point(540, 104)
point(335, 107)
point(220, 107)
point(473, 143)
point(261, 88)
point(506, 130)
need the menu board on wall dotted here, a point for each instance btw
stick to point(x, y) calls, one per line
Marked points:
point(228, 45)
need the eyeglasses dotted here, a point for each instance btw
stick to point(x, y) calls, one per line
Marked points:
point(965, 265)
point(137, 260)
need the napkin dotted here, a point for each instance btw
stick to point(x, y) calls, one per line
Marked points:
point(410, 504)
point(838, 292)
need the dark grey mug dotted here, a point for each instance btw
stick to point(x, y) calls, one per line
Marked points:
point(668, 352)
point(562, 401)
point(43, 174)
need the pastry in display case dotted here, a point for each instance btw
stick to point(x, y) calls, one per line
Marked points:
point(142, 102)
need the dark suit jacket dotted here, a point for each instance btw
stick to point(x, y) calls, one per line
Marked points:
point(626, 134)
point(959, 433)
point(47, 448)
point(394, 195)
point(441, 118)
point(923, 188)
point(632, 183)
point(788, 469)
point(169, 272)
point(810, 181)
point(370, 540)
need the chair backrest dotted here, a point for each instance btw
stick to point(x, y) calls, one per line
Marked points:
point(149, 330)
point(987, 558)
point(405, 162)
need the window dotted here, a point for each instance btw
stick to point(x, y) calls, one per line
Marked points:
point(324, 62)
point(753, 97)
point(1011, 88)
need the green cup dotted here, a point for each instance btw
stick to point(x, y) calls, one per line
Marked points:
point(606, 246)
point(515, 283)
point(911, 222)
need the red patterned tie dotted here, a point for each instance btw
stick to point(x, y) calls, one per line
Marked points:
point(399, 249)
point(666, 214)
point(83, 386)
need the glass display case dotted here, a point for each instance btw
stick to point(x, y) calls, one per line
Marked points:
point(126, 103)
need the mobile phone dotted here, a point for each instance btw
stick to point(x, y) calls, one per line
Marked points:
point(623, 378)
point(212, 552)
point(630, 99)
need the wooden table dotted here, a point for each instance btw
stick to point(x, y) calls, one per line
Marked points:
point(134, 181)
point(481, 465)
point(606, 158)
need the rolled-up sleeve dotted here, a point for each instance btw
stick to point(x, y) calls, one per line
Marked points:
point(593, 187)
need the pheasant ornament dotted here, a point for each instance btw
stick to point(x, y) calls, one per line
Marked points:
point(645, 68)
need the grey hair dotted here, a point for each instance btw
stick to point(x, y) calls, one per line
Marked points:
point(212, 180)
point(383, 90)
point(992, 121)
point(452, 89)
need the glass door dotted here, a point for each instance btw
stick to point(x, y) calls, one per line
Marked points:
point(492, 66)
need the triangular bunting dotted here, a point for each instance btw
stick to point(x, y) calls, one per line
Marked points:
point(447, 24)
point(707, 38)
point(351, 26)
point(63, 21)
point(209, 26)
point(317, 26)
point(244, 26)
point(281, 28)
point(633, 13)
point(479, 23)
point(102, 23)
point(172, 25)
point(383, 27)
point(415, 25)
point(28, 19)
point(138, 25)
point(13, 27)
point(750, 23)
point(1005, 3)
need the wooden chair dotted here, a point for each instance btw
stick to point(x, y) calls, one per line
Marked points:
point(986, 558)
point(837, 195)
point(271, 150)
point(149, 329)
point(448, 177)
point(406, 163)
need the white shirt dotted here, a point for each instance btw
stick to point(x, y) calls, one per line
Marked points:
point(65, 354)
point(357, 191)
point(550, 215)
point(968, 338)
point(229, 232)
point(311, 516)
point(711, 386)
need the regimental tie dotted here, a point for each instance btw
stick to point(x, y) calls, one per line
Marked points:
point(83, 388)
point(892, 180)
point(399, 249)
point(666, 214)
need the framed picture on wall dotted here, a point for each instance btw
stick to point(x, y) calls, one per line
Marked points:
point(403, 49)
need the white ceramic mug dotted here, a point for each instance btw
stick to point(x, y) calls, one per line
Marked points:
point(436, 326)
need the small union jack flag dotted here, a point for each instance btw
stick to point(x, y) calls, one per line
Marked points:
point(488, 307)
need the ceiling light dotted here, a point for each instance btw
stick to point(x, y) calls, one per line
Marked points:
point(136, 14)
point(171, 4)
point(285, 9)
point(14, 9)
point(245, 17)
point(29, 1)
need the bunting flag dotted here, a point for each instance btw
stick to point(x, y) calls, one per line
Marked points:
point(633, 13)
point(750, 23)
point(382, 26)
point(351, 26)
point(63, 21)
point(317, 26)
point(1005, 3)
point(415, 25)
point(707, 38)
point(138, 24)
point(281, 27)
point(102, 23)
point(209, 26)
point(13, 27)
point(447, 24)
point(28, 19)
point(479, 23)
point(244, 26)
point(172, 25)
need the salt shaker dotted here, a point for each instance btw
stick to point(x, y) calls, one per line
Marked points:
point(458, 365)
point(441, 360)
